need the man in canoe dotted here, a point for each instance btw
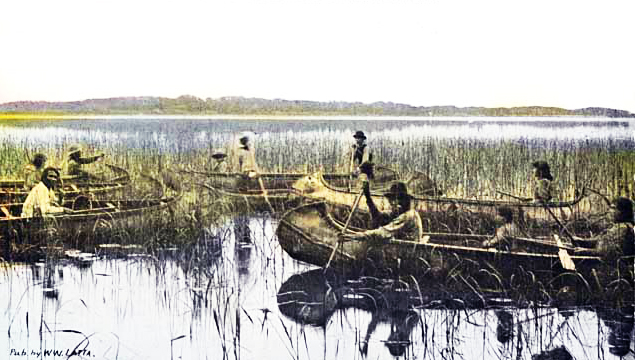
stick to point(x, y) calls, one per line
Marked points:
point(400, 222)
point(220, 164)
point(33, 171)
point(245, 161)
point(506, 231)
point(41, 200)
point(360, 154)
point(543, 189)
point(618, 240)
point(74, 161)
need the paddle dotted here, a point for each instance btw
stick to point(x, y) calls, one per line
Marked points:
point(565, 259)
point(264, 192)
point(514, 196)
point(350, 216)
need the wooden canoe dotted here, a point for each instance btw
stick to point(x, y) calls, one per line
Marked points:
point(310, 232)
point(317, 187)
point(91, 222)
point(279, 187)
point(13, 191)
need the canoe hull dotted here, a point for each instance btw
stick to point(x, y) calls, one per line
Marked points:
point(309, 234)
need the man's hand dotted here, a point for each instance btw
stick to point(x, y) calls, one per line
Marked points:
point(252, 174)
point(67, 210)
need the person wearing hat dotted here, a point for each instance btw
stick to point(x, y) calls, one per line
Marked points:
point(33, 171)
point(219, 157)
point(360, 154)
point(618, 240)
point(41, 199)
point(74, 162)
point(245, 161)
point(543, 189)
point(401, 221)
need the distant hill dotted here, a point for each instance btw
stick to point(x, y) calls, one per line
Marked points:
point(192, 105)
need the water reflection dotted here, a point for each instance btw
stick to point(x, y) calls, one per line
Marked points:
point(620, 325)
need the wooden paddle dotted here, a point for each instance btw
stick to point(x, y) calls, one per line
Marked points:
point(514, 196)
point(565, 259)
point(350, 216)
point(264, 192)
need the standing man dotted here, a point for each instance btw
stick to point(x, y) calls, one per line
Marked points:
point(245, 160)
point(360, 154)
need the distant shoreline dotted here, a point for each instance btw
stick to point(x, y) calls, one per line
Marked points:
point(571, 118)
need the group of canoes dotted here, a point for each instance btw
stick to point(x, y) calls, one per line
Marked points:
point(54, 202)
point(396, 226)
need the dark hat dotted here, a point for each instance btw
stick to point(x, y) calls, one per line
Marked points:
point(397, 189)
point(359, 135)
point(219, 154)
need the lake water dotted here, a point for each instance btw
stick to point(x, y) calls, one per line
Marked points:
point(184, 134)
point(222, 300)
point(227, 306)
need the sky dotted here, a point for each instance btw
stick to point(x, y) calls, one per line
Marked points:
point(568, 54)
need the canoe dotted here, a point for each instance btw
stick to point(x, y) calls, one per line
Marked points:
point(316, 187)
point(311, 232)
point(279, 187)
point(14, 191)
point(92, 222)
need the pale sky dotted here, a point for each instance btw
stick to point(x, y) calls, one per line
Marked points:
point(568, 54)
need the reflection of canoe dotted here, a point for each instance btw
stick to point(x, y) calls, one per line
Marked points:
point(90, 221)
point(317, 187)
point(14, 191)
point(310, 233)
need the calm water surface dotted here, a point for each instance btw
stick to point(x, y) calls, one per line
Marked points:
point(227, 306)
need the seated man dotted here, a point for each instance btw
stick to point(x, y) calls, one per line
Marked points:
point(220, 165)
point(41, 200)
point(73, 164)
point(618, 240)
point(400, 222)
point(543, 190)
point(504, 233)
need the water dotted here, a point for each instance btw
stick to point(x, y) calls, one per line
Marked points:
point(226, 305)
point(190, 133)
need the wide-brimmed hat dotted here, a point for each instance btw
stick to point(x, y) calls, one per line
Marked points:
point(74, 149)
point(397, 189)
point(219, 154)
point(359, 135)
